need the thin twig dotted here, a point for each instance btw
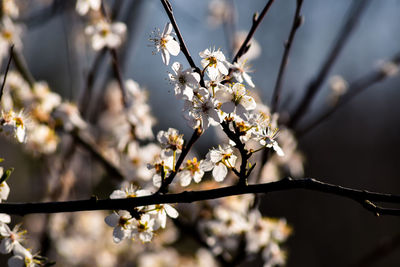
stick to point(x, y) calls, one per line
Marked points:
point(297, 20)
point(360, 196)
point(256, 22)
point(353, 18)
point(168, 9)
point(118, 75)
point(354, 89)
point(7, 69)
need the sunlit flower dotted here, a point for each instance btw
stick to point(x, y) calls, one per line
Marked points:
point(10, 238)
point(214, 62)
point(267, 139)
point(202, 108)
point(144, 229)
point(191, 170)
point(184, 81)
point(240, 72)
point(122, 223)
point(236, 100)
point(219, 160)
point(14, 124)
point(170, 140)
point(165, 43)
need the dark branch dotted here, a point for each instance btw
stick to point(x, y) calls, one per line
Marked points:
point(168, 9)
point(297, 20)
point(256, 22)
point(352, 19)
point(361, 196)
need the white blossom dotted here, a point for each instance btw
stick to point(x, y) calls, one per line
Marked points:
point(184, 81)
point(236, 100)
point(144, 228)
point(191, 170)
point(161, 211)
point(214, 61)
point(165, 43)
point(170, 140)
point(122, 223)
point(219, 160)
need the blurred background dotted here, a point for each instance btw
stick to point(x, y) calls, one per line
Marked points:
point(357, 147)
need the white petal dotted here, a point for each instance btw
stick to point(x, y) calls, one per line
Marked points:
point(278, 149)
point(198, 175)
point(165, 56)
point(120, 234)
point(167, 29)
point(16, 261)
point(173, 47)
point(6, 246)
point(118, 194)
point(206, 165)
point(112, 220)
point(171, 212)
point(219, 172)
point(248, 80)
point(185, 178)
point(5, 218)
point(228, 107)
point(176, 67)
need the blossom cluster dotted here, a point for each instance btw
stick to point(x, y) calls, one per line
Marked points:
point(220, 94)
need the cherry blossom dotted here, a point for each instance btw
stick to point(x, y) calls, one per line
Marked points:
point(165, 43)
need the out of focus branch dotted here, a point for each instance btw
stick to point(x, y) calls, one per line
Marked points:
point(297, 20)
point(363, 197)
point(7, 69)
point(353, 18)
point(354, 89)
point(256, 22)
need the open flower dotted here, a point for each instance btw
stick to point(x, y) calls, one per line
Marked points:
point(11, 238)
point(122, 223)
point(214, 61)
point(184, 81)
point(235, 100)
point(219, 160)
point(144, 229)
point(240, 72)
point(170, 140)
point(165, 43)
point(14, 124)
point(190, 171)
point(267, 139)
point(202, 108)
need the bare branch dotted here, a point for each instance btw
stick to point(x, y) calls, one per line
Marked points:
point(363, 197)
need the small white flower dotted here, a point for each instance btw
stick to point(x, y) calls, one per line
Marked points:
point(144, 229)
point(202, 108)
point(214, 61)
point(219, 160)
point(165, 43)
point(267, 139)
point(83, 6)
point(23, 258)
point(14, 124)
point(10, 238)
point(240, 72)
point(235, 100)
point(190, 171)
point(104, 34)
point(170, 140)
point(184, 81)
point(129, 192)
point(122, 223)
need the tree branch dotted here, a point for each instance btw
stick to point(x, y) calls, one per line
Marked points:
point(361, 196)
point(7, 69)
point(256, 22)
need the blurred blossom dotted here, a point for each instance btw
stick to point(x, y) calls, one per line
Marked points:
point(104, 34)
point(83, 6)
